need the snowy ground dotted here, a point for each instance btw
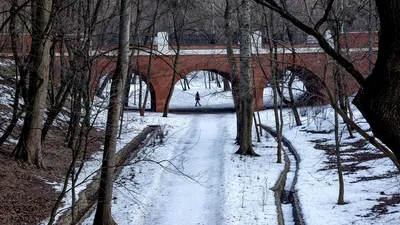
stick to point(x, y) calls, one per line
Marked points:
point(203, 181)
point(193, 177)
point(318, 186)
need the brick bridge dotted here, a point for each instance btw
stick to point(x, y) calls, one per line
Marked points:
point(309, 60)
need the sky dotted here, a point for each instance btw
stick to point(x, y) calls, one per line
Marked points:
point(194, 177)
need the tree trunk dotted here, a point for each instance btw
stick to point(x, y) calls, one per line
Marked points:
point(76, 114)
point(275, 96)
point(140, 98)
point(153, 30)
point(100, 89)
point(232, 66)
point(378, 99)
point(171, 90)
point(127, 88)
point(58, 101)
point(255, 124)
point(340, 84)
point(370, 62)
point(209, 80)
point(187, 85)
point(29, 147)
point(16, 114)
point(103, 212)
point(246, 87)
point(134, 88)
point(339, 162)
point(337, 145)
point(179, 18)
point(55, 109)
point(183, 85)
point(217, 80)
point(227, 85)
point(338, 95)
point(292, 103)
point(274, 81)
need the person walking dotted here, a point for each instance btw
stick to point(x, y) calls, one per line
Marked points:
point(197, 99)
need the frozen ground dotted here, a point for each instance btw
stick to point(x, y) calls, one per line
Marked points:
point(194, 177)
point(198, 194)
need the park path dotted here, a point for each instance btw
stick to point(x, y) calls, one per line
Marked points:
point(180, 200)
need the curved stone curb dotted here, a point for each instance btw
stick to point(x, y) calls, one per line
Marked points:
point(280, 184)
point(88, 197)
point(278, 189)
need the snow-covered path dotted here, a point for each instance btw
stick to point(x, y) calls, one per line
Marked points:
point(181, 200)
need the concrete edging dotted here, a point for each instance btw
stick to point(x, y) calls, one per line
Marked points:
point(280, 183)
point(87, 198)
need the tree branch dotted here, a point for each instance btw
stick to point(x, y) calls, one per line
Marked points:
point(348, 66)
point(323, 19)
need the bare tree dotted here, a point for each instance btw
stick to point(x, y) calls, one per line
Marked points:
point(81, 43)
point(234, 76)
point(336, 24)
point(246, 99)
point(379, 93)
point(29, 147)
point(152, 33)
point(20, 72)
point(178, 13)
point(60, 85)
point(291, 101)
point(337, 146)
point(103, 211)
point(269, 25)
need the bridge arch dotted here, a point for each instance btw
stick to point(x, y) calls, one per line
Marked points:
point(314, 93)
point(213, 58)
point(145, 81)
point(208, 87)
point(221, 67)
point(192, 70)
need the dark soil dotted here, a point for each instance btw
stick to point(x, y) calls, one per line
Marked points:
point(384, 202)
point(26, 192)
point(26, 195)
point(356, 153)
